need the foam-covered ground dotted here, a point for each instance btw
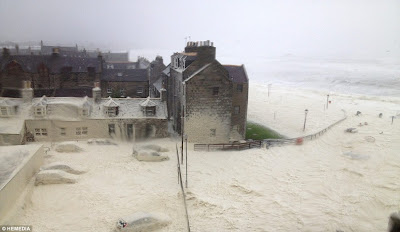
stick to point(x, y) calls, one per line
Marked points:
point(340, 181)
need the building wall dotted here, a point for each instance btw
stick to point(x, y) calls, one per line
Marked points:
point(239, 99)
point(99, 128)
point(11, 139)
point(130, 88)
point(175, 100)
point(10, 193)
point(206, 111)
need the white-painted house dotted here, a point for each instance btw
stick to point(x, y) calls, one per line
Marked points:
point(71, 118)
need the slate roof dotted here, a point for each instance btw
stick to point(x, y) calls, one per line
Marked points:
point(121, 65)
point(74, 92)
point(30, 63)
point(237, 73)
point(139, 75)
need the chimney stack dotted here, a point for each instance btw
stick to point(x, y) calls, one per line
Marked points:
point(96, 92)
point(27, 91)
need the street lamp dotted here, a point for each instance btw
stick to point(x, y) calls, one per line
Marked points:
point(186, 137)
point(305, 118)
point(327, 101)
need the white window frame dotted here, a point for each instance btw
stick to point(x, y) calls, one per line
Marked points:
point(139, 90)
point(4, 111)
point(40, 111)
point(81, 131)
point(111, 128)
point(109, 90)
point(85, 112)
point(41, 132)
point(111, 111)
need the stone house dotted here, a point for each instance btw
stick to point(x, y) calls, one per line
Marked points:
point(72, 118)
point(132, 83)
point(51, 75)
point(206, 100)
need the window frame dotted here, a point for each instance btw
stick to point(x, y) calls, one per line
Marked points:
point(236, 110)
point(215, 91)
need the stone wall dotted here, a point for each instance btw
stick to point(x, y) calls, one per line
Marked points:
point(131, 88)
point(176, 88)
point(14, 188)
point(99, 128)
point(207, 111)
point(240, 98)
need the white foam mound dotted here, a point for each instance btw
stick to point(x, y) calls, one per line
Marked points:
point(150, 156)
point(141, 222)
point(154, 147)
point(55, 177)
point(73, 169)
point(68, 147)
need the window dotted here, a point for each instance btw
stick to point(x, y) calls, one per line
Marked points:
point(139, 90)
point(110, 66)
point(150, 111)
point(239, 88)
point(111, 129)
point(237, 110)
point(122, 92)
point(40, 132)
point(63, 132)
point(109, 90)
point(81, 131)
point(213, 132)
point(4, 111)
point(40, 110)
point(215, 91)
point(111, 111)
point(119, 74)
point(85, 112)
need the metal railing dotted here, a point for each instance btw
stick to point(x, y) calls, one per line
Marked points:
point(228, 146)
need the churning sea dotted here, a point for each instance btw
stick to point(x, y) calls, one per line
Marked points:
point(376, 77)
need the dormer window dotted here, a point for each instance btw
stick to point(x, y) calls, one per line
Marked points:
point(148, 107)
point(111, 111)
point(7, 108)
point(150, 111)
point(40, 111)
point(4, 111)
point(85, 112)
point(111, 108)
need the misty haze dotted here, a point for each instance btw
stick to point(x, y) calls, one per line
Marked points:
point(199, 115)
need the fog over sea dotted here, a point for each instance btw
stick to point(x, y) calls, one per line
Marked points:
point(376, 77)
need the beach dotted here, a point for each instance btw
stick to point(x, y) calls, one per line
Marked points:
point(338, 181)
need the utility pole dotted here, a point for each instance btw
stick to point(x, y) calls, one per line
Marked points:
point(305, 119)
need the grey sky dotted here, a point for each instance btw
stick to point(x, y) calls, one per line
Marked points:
point(301, 27)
